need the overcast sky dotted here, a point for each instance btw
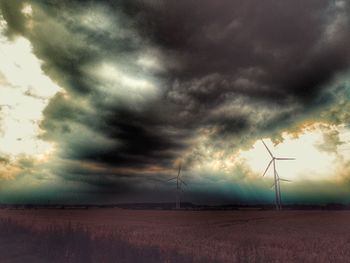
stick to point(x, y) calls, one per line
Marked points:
point(100, 101)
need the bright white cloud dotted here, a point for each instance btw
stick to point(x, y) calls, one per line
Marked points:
point(122, 84)
point(311, 163)
point(24, 93)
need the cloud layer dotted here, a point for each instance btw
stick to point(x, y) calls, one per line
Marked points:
point(148, 83)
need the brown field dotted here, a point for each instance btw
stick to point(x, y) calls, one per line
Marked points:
point(175, 236)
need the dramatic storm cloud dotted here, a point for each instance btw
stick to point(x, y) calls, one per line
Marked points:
point(126, 90)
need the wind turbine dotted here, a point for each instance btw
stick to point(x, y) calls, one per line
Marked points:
point(277, 179)
point(179, 189)
point(279, 189)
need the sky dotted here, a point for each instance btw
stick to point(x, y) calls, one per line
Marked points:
point(101, 101)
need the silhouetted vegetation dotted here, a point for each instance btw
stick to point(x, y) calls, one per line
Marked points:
point(171, 206)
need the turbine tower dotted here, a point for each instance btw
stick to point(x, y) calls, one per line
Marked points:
point(277, 179)
point(279, 189)
point(179, 189)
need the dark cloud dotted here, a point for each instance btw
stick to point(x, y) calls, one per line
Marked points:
point(143, 79)
point(11, 12)
point(4, 160)
point(331, 140)
point(284, 41)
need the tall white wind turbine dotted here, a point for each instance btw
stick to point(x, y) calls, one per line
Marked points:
point(277, 179)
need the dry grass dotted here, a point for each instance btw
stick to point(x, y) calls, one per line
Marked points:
point(74, 244)
point(186, 236)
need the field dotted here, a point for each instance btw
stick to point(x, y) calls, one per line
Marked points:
point(120, 235)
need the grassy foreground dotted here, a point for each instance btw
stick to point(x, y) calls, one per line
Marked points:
point(174, 236)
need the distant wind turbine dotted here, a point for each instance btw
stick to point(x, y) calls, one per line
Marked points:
point(179, 189)
point(277, 179)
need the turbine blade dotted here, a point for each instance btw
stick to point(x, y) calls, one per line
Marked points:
point(267, 148)
point(285, 159)
point(183, 182)
point(267, 167)
point(178, 174)
point(171, 179)
point(285, 180)
point(272, 186)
